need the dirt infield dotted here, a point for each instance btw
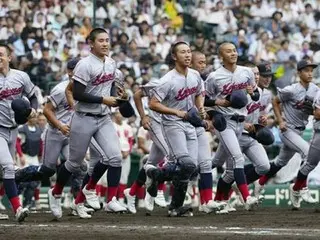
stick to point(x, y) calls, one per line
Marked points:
point(266, 223)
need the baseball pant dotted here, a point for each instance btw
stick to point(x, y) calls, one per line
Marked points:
point(8, 138)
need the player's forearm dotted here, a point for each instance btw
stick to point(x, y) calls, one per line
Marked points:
point(199, 102)
point(137, 100)
point(49, 114)
point(277, 109)
point(69, 96)
point(80, 95)
point(160, 108)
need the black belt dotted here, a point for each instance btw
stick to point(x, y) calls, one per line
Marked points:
point(94, 115)
point(238, 118)
point(300, 128)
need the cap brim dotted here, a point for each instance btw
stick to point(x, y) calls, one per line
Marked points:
point(270, 74)
point(309, 65)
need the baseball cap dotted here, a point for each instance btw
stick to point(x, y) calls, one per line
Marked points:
point(305, 63)
point(265, 69)
point(72, 63)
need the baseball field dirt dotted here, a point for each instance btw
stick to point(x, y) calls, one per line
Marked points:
point(266, 223)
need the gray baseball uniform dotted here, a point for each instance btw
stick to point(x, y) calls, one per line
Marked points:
point(15, 85)
point(159, 148)
point(179, 92)
point(94, 120)
point(219, 84)
point(291, 98)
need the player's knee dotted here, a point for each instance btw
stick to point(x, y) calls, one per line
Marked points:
point(187, 167)
point(238, 161)
point(307, 168)
point(228, 176)
point(73, 167)
point(47, 172)
point(8, 171)
point(115, 161)
point(263, 169)
point(205, 166)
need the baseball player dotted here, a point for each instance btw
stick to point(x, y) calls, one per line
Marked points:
point(220, 84)
point(292, 121)
point(204, 152)
point(92, 82)
point(13, 85)
point(299, 190)
point(180, 90)
point(159, 148)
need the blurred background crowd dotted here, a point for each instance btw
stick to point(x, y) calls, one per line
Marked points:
point(45, 34)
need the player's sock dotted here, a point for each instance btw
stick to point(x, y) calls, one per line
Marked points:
point(103, 191)
point(300, 182)
point(134, 188)
point(201, 193)
point(36, 194)
point(220, 190)
point(113, 179)
point(273, 170)
point(11, 190)
point(121, 188)
point(98, 189)
point(97, 173)
point(161, 186)
point(137, 185)
point(2, 192)
point(251, 174)
point(240, 179)
point(141, 192)
point(62, 179)
point(206, 186)
point(80, 196)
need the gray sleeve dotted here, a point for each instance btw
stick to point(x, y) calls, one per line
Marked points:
point(161, 91)
point(82, 73)
point(285, 94)
point(210, 86)
point(251, 79)
point(28, 88)
point(56, 97)
point(316, 102)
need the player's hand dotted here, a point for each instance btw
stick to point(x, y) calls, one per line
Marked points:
point(249, 127)
point(283, 126)
point(249, 90)
point(210, 126)
point(223, 102)
point(32, 114)
point(122, 93)
point(181, 114)
point(146, 122)
point(263, 120)
point(125, 154)
point(110, 101)
point(64, 129)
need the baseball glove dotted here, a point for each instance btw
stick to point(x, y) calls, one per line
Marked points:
point(307, 106)
point(194, 118)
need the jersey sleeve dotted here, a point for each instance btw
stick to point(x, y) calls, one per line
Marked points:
point(82, 73)
point(200, 87)
point(56, 97)
point(210, 86)
point(316, 102)
point(119, 77)
point(251, 79)
point(285, 94)
point(28, 86)
point(161, 91)
point(146, 89)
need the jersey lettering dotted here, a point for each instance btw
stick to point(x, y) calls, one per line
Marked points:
point(185, 92)
point(228, 88)
point(9, 92)
point(252, 107)
point(103, 78)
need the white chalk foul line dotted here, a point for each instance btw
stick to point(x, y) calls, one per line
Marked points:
point(199, 229)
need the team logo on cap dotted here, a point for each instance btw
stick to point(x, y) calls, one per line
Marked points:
point(268, 67)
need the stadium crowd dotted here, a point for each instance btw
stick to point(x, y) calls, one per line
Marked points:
point(45, 34)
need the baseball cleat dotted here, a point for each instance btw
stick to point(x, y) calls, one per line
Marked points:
point(160, 200)
point(91, 198)
point(4, 216)
point(21, 214)
point(81, 211)
point(295, 197)
point(250, 203)
point(131, 201)
point(184, 211)
point(258, 189)
point(2, 207)
point(230, 208)
point(55, 204)
point(149, 202)
point(306, 196)
point(114, 206)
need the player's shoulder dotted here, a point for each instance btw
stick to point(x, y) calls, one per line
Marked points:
point(194, 72)
point(19, 73)
point(244, 69)
point(119, 75)
point(60, 87)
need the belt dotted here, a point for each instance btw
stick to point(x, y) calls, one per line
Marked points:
point(300, 128)
point(238, 118)
point(10, 128)
point(94, 115)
